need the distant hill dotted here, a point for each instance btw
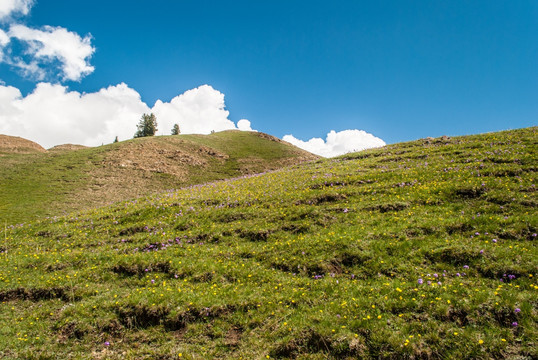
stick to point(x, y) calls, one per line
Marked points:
point(67, 147)
point(420, 250)
point(18, 145)
point(37, 183)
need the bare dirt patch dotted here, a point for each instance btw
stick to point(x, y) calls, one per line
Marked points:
point(233, 336)
point(138, 168)
point(162, 157)
point(35, 294)
point(269, 137)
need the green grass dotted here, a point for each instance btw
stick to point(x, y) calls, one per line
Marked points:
point(424, 249)
point(47, 184)
point(34, 185)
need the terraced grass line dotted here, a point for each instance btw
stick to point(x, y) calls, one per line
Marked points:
point(424, 249)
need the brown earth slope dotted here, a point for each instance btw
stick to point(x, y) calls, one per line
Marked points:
point(15, 144)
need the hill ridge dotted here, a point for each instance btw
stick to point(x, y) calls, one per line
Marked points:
point(64, 180)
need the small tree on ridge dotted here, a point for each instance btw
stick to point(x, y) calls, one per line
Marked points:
point(147, 126)
point(175, 130)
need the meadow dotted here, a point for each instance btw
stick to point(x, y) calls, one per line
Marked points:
point(419, 250)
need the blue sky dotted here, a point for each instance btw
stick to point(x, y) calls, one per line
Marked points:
point(400, 70)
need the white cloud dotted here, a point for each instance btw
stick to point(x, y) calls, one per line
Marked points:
point(337, 143)
point(244, 125)
point(53, 115)
point(47, 51)
point(9, 7)
point(30, 69)
point(53, 44)
point(197, 111)
point(4, 39)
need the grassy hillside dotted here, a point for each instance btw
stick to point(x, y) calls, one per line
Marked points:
point(424, 249)
point(71, 177)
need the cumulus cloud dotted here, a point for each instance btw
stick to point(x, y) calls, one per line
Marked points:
point(50, 46)
point(197, 111)
point(9, 7)
point(244, 125)
point(53, 115)
point(337, 143)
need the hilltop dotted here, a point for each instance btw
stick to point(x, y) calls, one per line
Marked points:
point(419, 250)
point(18, 145)
point(72, 177)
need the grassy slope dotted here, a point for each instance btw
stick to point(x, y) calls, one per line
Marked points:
point(45, 184)
point(416, 250)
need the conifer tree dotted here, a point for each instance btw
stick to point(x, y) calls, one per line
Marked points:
point(147, 126)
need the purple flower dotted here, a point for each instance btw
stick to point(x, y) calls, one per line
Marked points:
point(494, 240)
point(107, 343)
point(514, 324)
point(439, 283)
point(458, 274)
point(435, 275)
point(465, 266)
point(420, 281)
point(481, 251)
point(516, 310)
